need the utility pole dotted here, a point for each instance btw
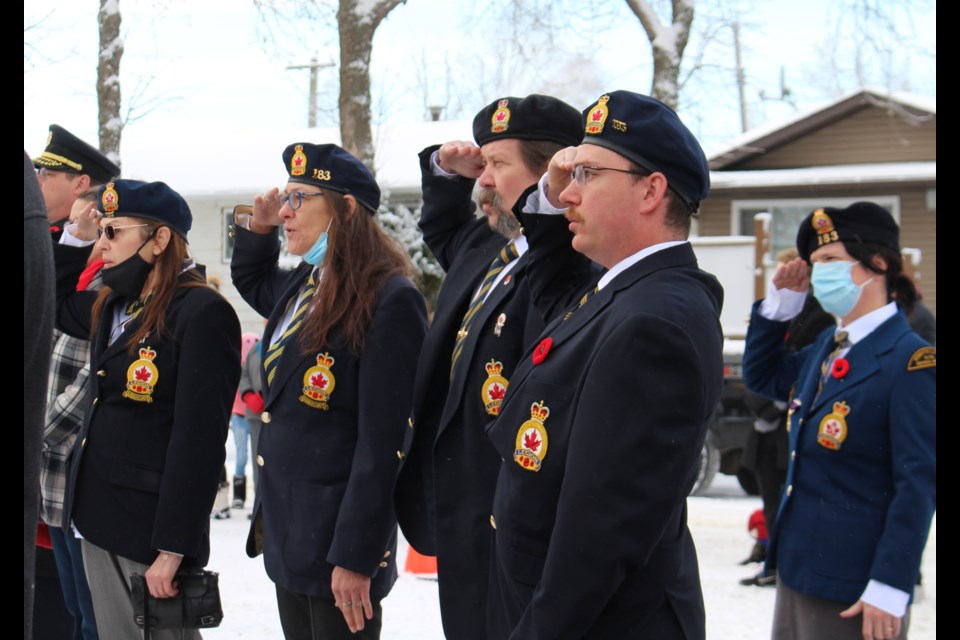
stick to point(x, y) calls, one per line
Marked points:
point(314, 66)
point(741, 80)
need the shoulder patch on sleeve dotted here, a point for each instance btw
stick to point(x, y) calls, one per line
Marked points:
point(923, 358)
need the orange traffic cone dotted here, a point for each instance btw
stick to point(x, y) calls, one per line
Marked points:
point(419, 563)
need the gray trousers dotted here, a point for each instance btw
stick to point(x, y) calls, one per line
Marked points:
point(109, 578)
point(800, 617)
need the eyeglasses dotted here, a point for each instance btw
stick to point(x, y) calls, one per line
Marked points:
point(295, 198)
point(111, 230)
point(44, 173)
point(583, 172)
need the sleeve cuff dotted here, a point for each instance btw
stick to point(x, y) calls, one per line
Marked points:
point(538, 202)
point(436, 169)
point(781, 305)
point(883, 596)
point(67, 238)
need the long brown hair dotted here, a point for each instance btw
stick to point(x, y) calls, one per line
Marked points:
point(360, 258)
point(167, 270)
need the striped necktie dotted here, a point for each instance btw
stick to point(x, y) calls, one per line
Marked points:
point(136, 307)
point(272, 361)
point(507, 255)
point(841, 341)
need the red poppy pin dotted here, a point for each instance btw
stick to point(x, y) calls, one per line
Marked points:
point(841, 367)
point(540, 353)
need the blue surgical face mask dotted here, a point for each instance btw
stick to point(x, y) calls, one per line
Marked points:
point(315, 254)
point(834, 288)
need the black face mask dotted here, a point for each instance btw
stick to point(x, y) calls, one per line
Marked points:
point(128, 277)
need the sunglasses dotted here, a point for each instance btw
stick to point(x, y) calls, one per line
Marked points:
point(111, 230)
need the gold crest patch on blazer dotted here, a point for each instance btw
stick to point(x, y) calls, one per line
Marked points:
point(923, 358)
point(318, 383)
point(494, 387)
point(833, 427)
point(532, 439)
point(142, 377)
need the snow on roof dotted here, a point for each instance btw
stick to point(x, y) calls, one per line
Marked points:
point(841, 174)
point(923, 103)
point(246, 162)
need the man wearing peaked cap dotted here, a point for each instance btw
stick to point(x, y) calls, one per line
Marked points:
point(66, 168)
point(606, 416)
point(67, 171)
point(488, 311)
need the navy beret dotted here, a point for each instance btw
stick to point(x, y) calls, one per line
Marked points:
point(861, 222)
point(650, 133)
point(67, 152)
point(331, 167)
point(535, 117)
point(150, 200)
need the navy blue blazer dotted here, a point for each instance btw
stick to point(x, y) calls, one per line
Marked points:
point(148, 458)
point(445, 489)
point(861, 488)
point(464, 246)
point(600, 435)
point(333, 426)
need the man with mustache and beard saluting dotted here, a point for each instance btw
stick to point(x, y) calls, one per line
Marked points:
point(488, 312)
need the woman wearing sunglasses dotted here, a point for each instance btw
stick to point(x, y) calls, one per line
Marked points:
point(165, 363)
point(861, 485)
point(339, 355)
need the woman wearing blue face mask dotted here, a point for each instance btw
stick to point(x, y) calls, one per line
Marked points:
point(339, 356)
point(861, 487)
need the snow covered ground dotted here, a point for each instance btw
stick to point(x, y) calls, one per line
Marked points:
point(411, 611)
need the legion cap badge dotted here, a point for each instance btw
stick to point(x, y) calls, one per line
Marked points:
point(823, 225)
point(598, 116)
point(318, 383)
point(298, 163)
point(833, 427)
point(532, 439)
point(142, 377)
point(110, 201)
point(494, 387)
point(500, 120)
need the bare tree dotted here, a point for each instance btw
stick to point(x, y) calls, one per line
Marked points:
point(108, 79)
point(871, 42)
point(668, 41)
point(356, 22)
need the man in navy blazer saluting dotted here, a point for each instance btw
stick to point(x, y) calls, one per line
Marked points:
point(605, 417)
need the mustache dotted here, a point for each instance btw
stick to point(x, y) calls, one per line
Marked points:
point(490, 197)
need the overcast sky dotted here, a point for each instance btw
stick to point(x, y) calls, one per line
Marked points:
point(206, 65)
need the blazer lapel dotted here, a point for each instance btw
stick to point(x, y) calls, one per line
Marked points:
point(561, 330)
point(862, 358)
point(480, 323)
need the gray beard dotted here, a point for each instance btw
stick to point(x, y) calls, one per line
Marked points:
point(507, 225)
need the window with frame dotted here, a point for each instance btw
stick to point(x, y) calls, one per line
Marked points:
point(286, 260)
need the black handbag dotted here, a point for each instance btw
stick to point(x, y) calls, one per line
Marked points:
point(196, 605)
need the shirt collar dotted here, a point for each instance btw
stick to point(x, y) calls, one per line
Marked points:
point(629, 261)
point(865, 324)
